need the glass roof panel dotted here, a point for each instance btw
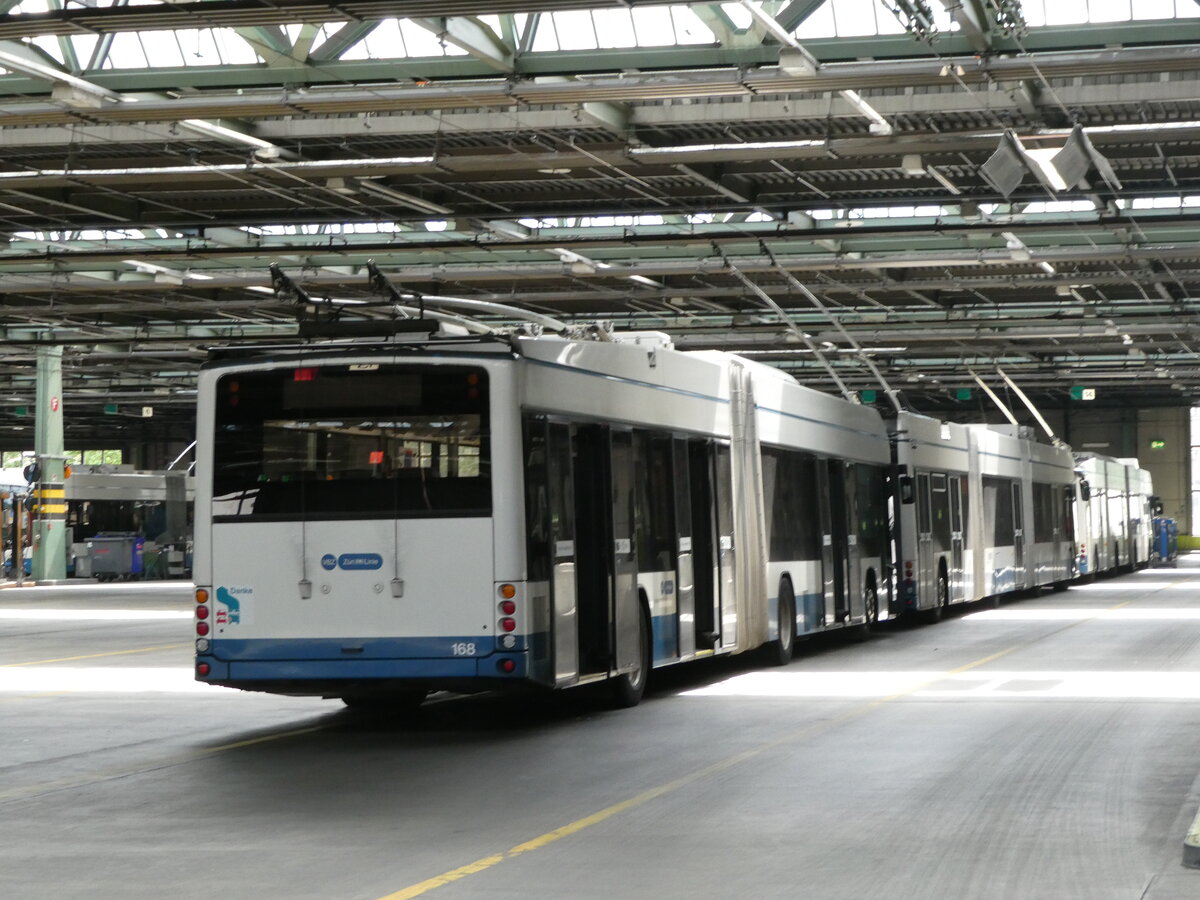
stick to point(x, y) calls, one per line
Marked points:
point(161, 48)
point(1067, 12)
point(50, 45)
point(614, 28)
point(1110, 10)
point(738, 14)
point(818, 25)
point(688, 27)
point(653, 26)
point(575, 30)
point(854, 17)
point(1154, 9)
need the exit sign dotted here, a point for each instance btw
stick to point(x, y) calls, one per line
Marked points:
point(1083, 393)
point(1158, 445)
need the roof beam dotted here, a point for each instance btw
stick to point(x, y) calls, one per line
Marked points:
point(342, 40)
point(795, 13)
point(271, 44)
point(470, 34)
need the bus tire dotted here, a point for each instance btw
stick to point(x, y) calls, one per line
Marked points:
point(935, 613)
point(392, 703)
point(870, 612)
point(626, 689)
point(779, 651)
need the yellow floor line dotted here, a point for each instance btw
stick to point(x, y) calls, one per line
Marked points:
point(579, 825)
point(41, 662)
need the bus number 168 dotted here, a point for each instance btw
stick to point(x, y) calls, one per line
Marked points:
point(462, 649)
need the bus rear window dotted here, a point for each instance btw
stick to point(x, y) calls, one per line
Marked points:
point(351, 441)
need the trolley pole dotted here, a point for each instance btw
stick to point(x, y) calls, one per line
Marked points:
point(49, 497)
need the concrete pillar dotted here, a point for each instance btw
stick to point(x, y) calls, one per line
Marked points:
point(50, 505)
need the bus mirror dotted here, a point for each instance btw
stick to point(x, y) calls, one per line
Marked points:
point(1085, 491)
point(907, 495)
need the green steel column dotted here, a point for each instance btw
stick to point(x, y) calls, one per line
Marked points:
point(50, 505)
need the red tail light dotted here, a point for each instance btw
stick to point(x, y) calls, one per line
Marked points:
point(508, 624)
point(508, 607)
point(203, 669)
point(202, 628)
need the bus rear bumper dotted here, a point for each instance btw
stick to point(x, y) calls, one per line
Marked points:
point(323, 677)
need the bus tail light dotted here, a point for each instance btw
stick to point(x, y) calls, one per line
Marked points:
point(202, 613)
point(507, 666)
point(506, 609)
point(203, 668)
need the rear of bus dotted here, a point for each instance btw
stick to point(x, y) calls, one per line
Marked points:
point(347, 541)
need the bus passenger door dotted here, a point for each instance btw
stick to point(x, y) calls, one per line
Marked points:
point(685, 590)
point(626, 605)
point(593, 546)
point(832, 492)
point(852, 570)
point(727, 558)
point(1018, 537)
point(957, 585)
point(561, 496)
point(926, 575)
point(703, 543)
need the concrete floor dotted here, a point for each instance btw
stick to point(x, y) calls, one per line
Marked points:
point(1047, 749)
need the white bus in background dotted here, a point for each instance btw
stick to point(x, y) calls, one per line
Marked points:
point(1113, 514)
point(979, 511)
point(378, 521)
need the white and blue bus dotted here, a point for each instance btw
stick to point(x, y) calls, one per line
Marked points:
point(378, 521)
point(1113, 514)
point(980, 511)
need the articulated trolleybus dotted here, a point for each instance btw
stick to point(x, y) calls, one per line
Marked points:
point(981, 511)
point(377, 521)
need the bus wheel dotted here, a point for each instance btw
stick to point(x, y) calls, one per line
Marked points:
point(626, 689)
point(870, 613)
point(391, 703)
point(779, 651)
point(943, 600)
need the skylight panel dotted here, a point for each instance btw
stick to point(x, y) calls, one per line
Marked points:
point(738, 14)
point(1110, 10)
point(575, 30)
point(653, 25)
point(50, 45)
point(614, 28)
point(854, 17)
point(1154, 9)
point(84, 46)
point(1067, 12)
point(545, 35)
point(126, 52)
point(384, 42)
point(888, 23)
point(419, 41)
point(232, 49)
point(818, 25)
point(161, 48)
point(688, 27)
point(198, 46)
